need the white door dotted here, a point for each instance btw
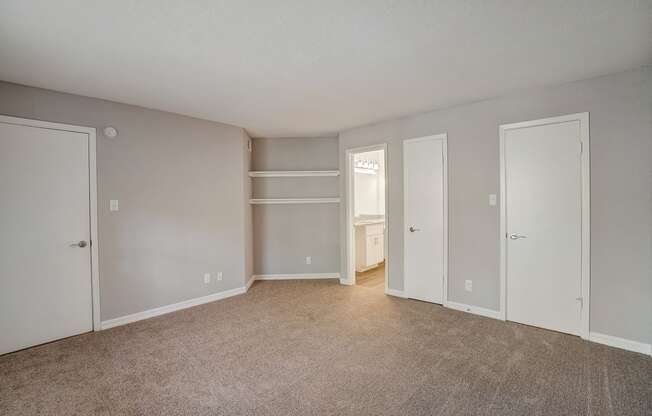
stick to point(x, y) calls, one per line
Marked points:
point(543, 225)
point(45, 276)
point(424, 172)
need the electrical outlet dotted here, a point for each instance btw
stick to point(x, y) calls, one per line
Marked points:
point(219, 275)
point(468, 285)
point(492, 200)
point(114, 205)
point(207, 278)
point(308, 260)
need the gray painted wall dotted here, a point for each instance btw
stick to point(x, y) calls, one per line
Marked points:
point(181, 186)
point(620, 109)
point(286, 234)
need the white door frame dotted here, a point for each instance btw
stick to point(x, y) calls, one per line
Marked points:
point(350, 202)
point(444, 138)
point(92, 197)
point(584, 138)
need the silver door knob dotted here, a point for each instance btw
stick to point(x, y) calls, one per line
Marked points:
point(412, 229)
point(81, 244)
point(516, 236)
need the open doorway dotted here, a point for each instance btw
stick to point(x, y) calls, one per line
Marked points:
point(367, 217)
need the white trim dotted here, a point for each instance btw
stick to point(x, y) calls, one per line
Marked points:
point(92, 197)
point(583, 118)
point(350, 201)
point(150, 313)
point(296, 276)
point(394, 292)
point(476, 310)
point(250, 282)
point(276, 201)
point(625, 344)
point(444, 138)
point(292, 173)
point(95, 241)
point(346, 282)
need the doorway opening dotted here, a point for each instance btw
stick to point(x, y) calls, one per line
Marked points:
point(367, 217)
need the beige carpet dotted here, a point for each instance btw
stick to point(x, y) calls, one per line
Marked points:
point(315, 347)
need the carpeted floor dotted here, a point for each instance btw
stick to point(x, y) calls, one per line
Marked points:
point(319, 348)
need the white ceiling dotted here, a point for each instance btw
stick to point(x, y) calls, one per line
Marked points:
point(304, 67)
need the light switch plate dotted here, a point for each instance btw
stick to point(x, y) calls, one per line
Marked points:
point(468, 285)
point(492, 200)
point(114, 205)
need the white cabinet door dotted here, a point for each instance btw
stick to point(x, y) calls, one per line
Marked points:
point(381, 248)
point(372, 251)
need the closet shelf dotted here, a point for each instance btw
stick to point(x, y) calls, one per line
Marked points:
point(292, 173)
point(278, 201)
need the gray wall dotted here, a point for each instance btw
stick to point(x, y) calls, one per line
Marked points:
point(620, 109)
point(286, 234)
point(181, 185)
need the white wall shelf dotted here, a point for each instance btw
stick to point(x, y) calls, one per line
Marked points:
point(292, 173)
point(278, 201)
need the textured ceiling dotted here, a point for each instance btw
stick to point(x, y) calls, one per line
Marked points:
point(304, 68)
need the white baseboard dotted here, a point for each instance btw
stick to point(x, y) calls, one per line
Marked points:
point(625, 344)
point(296, 276)
point(394, 292)
point(346, 282)
point(150, 313)
point(476, 310)
point(250, 282)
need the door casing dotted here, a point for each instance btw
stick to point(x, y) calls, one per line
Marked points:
point(92, 196)
point(350, 201)
point(583, 119)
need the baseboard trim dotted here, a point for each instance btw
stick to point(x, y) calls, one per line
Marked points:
point(250, 282)
point(622, 343)
point(394, 292)
point(296, 276)
point(150, 313)
point(476, 310)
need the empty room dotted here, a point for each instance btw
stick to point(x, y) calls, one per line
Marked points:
point(326, 207)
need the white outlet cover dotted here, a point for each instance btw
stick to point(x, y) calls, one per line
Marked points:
point(219, 275)
point(309, 260)
point(114, 205)
point(492, 200)
point(468, 285)
point(207, 277)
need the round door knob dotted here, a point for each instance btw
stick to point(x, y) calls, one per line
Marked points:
point(81, 244)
